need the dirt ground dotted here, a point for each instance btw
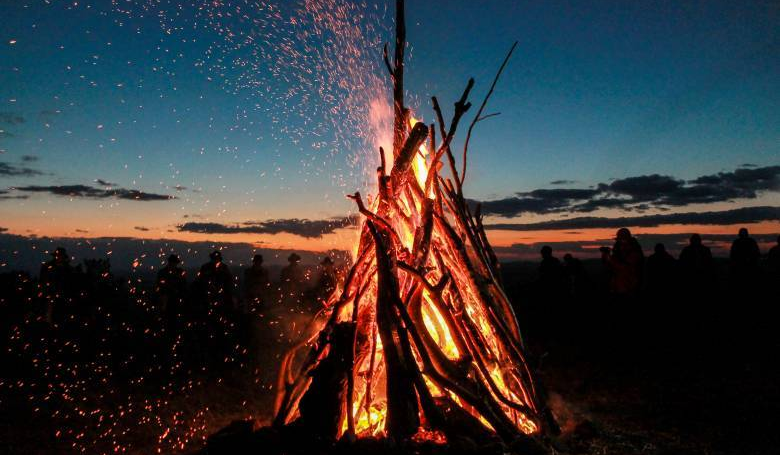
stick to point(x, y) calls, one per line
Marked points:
point(667, 374)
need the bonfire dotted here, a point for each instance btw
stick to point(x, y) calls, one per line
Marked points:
point(420, 342)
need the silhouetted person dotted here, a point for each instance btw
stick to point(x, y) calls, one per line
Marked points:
point(56, 276)
point(625, 263)
point(550, 268)
point(773, 259)
point(292, 276)
point(171, 288)
point(661, 271)
point(744, 257)
point(575, 275)
point(696, 265)
point(215, 283)
point(326, 282)
point(256, 281)
point(550, 275)
point(218, 281)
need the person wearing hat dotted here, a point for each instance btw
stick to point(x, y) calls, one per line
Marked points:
point(170, 289)
point(216, 310)
point(292, 276)
point(218, 281)
point(256, 281)
point(326, 283)
point(55, 277)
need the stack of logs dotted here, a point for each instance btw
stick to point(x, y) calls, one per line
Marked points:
point(423, 254)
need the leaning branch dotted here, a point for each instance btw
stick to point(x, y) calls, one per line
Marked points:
point(479, 117)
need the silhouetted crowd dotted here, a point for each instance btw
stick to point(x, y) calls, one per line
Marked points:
point(210, 322)
point(628, 273)
point(217, 320)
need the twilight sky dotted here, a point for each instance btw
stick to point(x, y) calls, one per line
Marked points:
point(247, 121)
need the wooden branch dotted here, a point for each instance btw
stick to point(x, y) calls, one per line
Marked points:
point(481, 108)
point(439, 117)
point(387, 62)
point(378, 220)
point(370, 374)
point(461, 106)
point(491, 254)
point(485, 117)
point(422, 244)
point(351, 376)
point(399, 110)
point(404, 158)
point(403, 417)
point(432, 142)
point(383, 164)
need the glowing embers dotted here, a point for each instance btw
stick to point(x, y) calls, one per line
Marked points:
point(370, 422)
point(420, 165)
point(437, 328)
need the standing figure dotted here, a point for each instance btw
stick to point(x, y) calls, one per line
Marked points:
point(661, 272)
point(217, 281)
point(326, 282)
point(697, 266)
point(292, 277)
point(625, 264)
point(575, 275)
point(171, 288)
point(214, 285)
point(743, 258)
point(256, 282)
point(56, 276)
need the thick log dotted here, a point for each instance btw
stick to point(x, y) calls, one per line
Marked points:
point(403, 417)
point(405, 156)
point(322, 407)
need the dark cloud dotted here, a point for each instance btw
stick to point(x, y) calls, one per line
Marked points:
point(301, 227)
point(563, 182)
point(562, 194)
point(5, 195)
point(514, 206)
point(600, 203)
point(29, 158)
point(747, 180)
point(141, 228)
point(11, 118)
point(641, 193)
point(537, 201)
point(84, 191)
point(735, 216)
point(12, 170)
point(2, 229)
point(642, 188)
point(105, 182)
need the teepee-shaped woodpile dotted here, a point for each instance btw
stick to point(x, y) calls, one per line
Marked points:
point(420, 341)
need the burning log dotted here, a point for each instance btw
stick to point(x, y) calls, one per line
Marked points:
point(421, 341)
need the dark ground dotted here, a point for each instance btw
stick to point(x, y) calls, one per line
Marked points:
point(684, 371)
point(692, 372)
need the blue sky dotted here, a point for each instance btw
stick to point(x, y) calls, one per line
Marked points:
point(595, 91)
